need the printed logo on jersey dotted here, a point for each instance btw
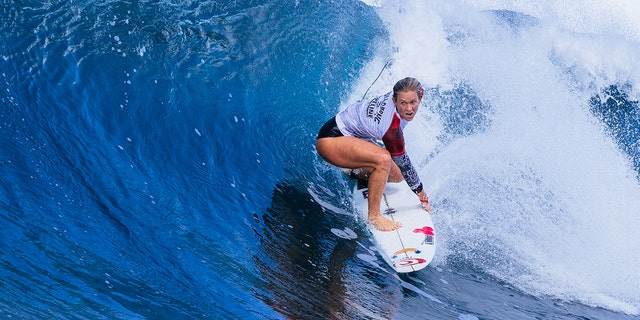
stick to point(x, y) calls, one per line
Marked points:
point(379, 105)
point(371, 107)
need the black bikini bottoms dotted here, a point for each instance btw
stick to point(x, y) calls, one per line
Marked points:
point(330, 130)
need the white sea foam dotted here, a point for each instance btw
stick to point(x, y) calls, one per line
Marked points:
point(543, 199)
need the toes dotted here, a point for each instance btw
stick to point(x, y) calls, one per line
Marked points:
point(384, 224)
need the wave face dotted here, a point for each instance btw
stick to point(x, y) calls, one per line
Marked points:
point(157, 159)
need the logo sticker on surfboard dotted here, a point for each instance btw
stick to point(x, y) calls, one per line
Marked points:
point(390, 211)
point(428, 234)
point(408, 262)
point(406, 251)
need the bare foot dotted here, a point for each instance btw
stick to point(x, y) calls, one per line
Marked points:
point(426, 206)
point(383, 224)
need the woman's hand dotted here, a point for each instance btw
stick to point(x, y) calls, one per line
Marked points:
point(424, 201)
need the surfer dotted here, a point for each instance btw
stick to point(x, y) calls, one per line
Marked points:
point(347, 141)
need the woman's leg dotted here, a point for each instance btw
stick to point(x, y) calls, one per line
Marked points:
point(395, 175)
point(350, 152)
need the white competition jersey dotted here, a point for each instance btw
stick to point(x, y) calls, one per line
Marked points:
point(378, 119)
point(369, 119)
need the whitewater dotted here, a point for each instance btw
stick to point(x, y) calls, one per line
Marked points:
point(157, 159)
point(540, 195)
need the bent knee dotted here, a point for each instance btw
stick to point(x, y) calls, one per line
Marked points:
point(383, 160)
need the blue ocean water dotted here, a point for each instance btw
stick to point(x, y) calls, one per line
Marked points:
point(157, 159)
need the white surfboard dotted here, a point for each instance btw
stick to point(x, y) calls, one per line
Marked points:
point(411, 247)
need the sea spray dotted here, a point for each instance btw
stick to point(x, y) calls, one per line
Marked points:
point(541, 197)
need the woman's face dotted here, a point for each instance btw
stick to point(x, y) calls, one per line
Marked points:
point(407, 103)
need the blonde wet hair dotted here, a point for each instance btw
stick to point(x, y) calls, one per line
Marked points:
point(408, 84)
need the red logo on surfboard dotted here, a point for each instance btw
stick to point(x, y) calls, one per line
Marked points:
point(428, 234)
point(408, 262)
point(426, 230)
